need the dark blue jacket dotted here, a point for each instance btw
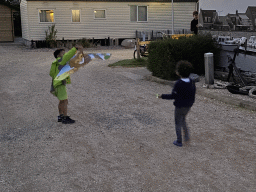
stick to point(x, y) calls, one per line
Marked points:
point(183, 93)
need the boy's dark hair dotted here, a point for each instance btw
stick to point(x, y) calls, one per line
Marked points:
point(184, 68)
point(195, 13)
point(57, 52)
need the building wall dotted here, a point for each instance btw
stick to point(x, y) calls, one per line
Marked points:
point(116, 25)
point(6, 24)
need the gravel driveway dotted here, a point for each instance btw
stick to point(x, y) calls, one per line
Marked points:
point(122, 138)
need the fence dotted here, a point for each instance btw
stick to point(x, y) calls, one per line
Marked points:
point(153, 35)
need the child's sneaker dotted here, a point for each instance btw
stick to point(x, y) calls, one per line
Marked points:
point(60, 117)
point(67, 120)
point(177, 144)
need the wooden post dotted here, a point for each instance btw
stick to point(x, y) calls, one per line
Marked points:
point(138, 48)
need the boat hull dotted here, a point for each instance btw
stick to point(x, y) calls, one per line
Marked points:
point(227, 47)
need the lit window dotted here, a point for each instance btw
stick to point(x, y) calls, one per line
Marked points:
point(46, 15)
point(99, 14)
point(75, 15)
point(138, 13)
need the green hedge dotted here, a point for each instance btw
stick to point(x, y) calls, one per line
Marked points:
point(164, 54)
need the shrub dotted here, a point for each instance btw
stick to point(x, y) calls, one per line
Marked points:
point(164, 54)
point(85, 43)
point(50, 36)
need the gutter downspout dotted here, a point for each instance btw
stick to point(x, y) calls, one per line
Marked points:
point(12, 25)
point(172, 19)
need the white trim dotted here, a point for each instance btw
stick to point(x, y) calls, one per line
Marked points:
point(100, 10)
point(72, 15)
point(39, 9)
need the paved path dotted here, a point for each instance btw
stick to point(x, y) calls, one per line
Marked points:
point(122, 140)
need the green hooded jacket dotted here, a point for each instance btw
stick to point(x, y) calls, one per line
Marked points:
point(59, 63)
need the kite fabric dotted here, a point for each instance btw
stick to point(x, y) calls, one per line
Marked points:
point(67, 70)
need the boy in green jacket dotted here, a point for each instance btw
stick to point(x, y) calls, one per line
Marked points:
point(60, 90)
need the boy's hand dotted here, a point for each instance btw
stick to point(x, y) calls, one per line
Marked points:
point(87, 58)
point(159, 96)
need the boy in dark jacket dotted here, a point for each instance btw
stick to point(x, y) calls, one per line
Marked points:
point(183, 94)
point(194, 23)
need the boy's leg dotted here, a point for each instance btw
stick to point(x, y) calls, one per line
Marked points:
point(184, 124)
point(178, 120)
point(60, 108)
point(65, 107)
point(180, 115)
point(61, 94)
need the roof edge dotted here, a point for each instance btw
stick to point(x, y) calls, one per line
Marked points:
point(124, 0)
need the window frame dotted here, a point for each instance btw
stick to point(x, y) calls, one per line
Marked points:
point(105, 10)
point(137, 12)
point(79, 16)
point(46, 10)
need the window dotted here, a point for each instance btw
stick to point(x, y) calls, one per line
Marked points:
point(138, 13)
point(99, 14)
point(209, 19)
point(46, 15)
point(75, 15)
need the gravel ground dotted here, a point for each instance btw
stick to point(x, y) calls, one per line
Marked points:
point(122, 140)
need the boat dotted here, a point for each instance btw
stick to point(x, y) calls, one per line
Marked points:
point(248, 45)
point(251, 42)
point(227, 43)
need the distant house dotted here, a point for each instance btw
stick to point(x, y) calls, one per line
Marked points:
point(239, 21)
point(244, 22)
point(251, 14)
point(6, 22)
point(224, 26)
point(234, 18)
point(207, 18)
point(100, 19)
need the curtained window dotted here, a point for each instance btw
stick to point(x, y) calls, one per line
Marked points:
point(99, 14)
point(46, 15)
point(138, 13)
point(75, 15)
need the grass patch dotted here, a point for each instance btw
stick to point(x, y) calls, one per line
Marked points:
point(142, 62)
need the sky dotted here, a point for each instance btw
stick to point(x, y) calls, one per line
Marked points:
point(223, 7)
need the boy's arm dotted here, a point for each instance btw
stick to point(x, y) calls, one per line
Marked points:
point(53, 69)
point(67, 56)
point(170, 96)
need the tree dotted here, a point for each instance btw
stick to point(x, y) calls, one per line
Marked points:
point(15, 3)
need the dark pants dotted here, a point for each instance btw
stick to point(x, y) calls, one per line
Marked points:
point(180, 122)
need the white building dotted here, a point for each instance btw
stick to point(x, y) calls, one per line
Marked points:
point(100, 19)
